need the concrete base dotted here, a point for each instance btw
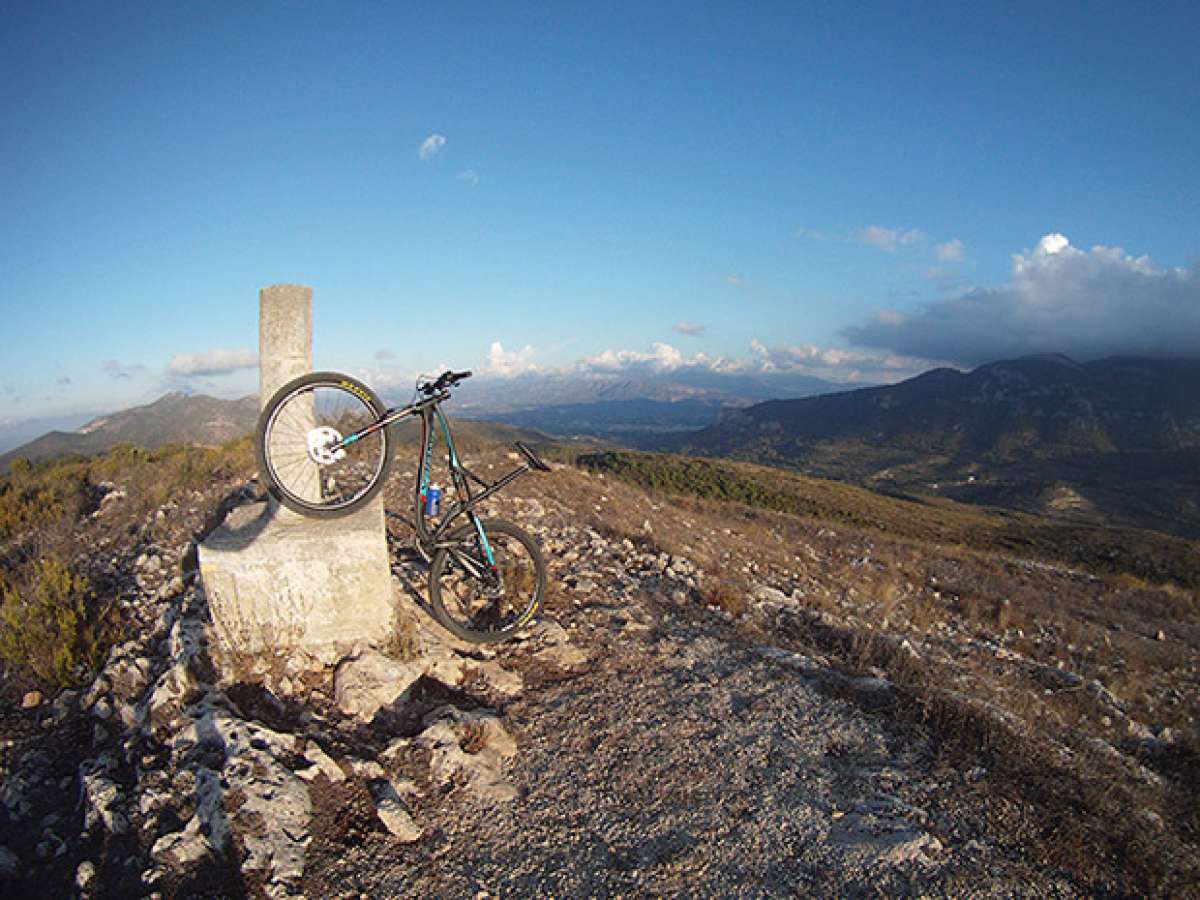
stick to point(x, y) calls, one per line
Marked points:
point(278, 582)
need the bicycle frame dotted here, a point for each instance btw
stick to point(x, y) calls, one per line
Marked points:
point(430, 410)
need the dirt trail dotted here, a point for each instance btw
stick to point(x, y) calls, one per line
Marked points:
point(678, 758)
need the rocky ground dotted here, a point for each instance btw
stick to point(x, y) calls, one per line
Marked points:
point(637, 741)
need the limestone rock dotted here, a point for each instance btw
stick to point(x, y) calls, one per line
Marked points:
point(101, 796)
point(449, 731)
point(85, 874)
point(563, 656)
point(364, 684)
point(392, 812)
point(322, 762)
point(244, 788)
point(771, 596)
point(207, 832)
point(500, 682)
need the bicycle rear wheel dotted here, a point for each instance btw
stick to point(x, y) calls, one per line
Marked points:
point(481, 602)
point(295, 431)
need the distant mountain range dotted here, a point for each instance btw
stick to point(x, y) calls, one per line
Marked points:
point(629, 409)
point(491, 396)
point(1116, 439)
point(619, 406)
point(173, 418)
point(15, 433)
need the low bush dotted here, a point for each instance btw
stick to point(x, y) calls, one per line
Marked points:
point(44, 633)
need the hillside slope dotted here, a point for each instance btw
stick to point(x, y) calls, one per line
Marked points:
point(720, 699)
point(174, 418)
point(1114, 440)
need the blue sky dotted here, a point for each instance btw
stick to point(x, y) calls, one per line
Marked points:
point(853, 191)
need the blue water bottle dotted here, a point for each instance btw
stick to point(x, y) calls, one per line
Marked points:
point(433, 500)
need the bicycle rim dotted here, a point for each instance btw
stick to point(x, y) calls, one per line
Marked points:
point(321, 413)
point(481, 604)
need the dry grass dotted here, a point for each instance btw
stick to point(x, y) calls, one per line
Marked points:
point(474, 737)
point(729, 595)
point(56, 623)
point(1049, 653)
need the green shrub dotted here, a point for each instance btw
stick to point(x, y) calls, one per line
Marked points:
point(34, 500)
point(43, 628)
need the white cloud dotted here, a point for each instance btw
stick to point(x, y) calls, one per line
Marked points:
point(431, 146)
point(214, 361)
point(951, 251)
point(506, 363)
point(832, 363)
point(1052, 243)
point(689, 329)
point(888, 238)
point(662, 357)
point(835, 363)
point(1058, 299)
point(470, 176)
point(114, 369)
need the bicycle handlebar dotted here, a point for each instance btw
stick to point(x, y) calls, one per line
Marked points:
point(445, 380)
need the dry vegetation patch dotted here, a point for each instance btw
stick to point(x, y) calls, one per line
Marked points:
point(69, 532)
point(1062, 659)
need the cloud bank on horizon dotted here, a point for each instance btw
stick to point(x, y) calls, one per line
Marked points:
point(829, 363)
point(1087, 304)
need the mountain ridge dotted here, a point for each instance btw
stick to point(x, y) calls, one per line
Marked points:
point(173, 418)
point(1012, 433)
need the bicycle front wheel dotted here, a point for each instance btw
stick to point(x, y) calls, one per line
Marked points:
point(485, 601)
point(297, 432)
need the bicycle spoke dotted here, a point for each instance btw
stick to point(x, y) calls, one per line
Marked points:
point(483, 602)
point(303, 426)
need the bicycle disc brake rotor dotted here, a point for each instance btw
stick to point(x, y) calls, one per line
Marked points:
point(319, 441)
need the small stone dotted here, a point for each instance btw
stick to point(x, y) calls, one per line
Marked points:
point(31, 700)
point(102, 709)
point(1160, 635)
point(390, 809)
point(323, 762)
point(368, 769)
point(85, 875)
point(548, 633)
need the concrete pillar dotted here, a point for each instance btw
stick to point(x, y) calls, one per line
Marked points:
point(285, 336)
point(278, 582)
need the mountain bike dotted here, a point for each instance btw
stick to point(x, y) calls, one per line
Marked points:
point(325, 450)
